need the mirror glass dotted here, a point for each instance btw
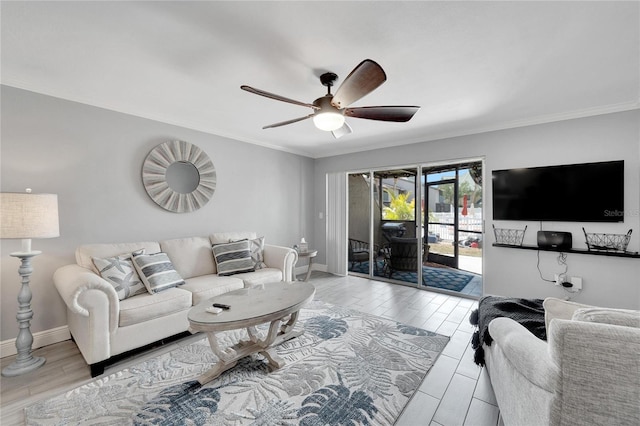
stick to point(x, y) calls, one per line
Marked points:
point(183, 177)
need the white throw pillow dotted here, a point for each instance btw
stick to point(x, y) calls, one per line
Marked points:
point(560, 309)
point(121, 274)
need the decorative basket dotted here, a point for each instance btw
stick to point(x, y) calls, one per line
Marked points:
point(607, 242)
point(511, 237)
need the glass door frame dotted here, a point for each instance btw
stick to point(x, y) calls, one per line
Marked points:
point(371, 237)
point(378, 203)
point(443, 259)
point(452, 261)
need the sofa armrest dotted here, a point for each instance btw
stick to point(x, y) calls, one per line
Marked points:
point(599, 373)
point(83, 291)
point(527, 354)
point(283, 258)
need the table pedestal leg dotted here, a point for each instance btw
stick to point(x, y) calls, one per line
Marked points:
point(229, 357)
point(306, 277)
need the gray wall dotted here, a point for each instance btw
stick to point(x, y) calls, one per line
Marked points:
point(92, 158)
point(607, 281)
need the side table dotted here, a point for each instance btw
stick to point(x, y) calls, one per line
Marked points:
point(309, 254)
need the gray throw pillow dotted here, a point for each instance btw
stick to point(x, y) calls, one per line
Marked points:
point(233, 258)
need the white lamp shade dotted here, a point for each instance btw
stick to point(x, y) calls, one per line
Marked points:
point(29, 215)
point(328, 121)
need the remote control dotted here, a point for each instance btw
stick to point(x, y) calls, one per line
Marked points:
point(221, 306)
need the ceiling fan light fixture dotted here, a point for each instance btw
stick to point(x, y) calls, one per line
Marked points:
point(328, 120)
point(329, 111)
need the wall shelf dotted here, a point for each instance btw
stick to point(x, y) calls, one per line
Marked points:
point(634, 255)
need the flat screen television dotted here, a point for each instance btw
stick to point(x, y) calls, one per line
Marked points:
point(588, 192)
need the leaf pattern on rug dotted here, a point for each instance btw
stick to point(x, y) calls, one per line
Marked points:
point(347, 368)
point(274, 412)
point(336, 405)
point(326, 327)
point(408, 382)
point(409, 329)
point(175, 404)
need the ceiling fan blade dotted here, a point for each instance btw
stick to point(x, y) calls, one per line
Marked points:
point(344, 130)
point(364, 79)
point(383, 113)
point(276, 97)
point(284, 123)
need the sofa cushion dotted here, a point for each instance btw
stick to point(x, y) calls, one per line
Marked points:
point(233, 258)
point(85, 252)
point(146, 307)
point(623, 317)
point(156, 272)
point(121, 274)
point(261, 276)
point(191, 257)
point(208, 286)
point(559, 309)
point(225, 237)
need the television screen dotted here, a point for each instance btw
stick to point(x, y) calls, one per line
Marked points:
point(588, 192)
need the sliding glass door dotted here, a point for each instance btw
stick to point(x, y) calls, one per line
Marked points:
point(418, 225)
point(382, 239)
point(398, 202)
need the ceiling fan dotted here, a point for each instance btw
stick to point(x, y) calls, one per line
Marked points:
point(330, 110)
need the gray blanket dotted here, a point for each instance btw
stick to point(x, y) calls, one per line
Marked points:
point(528, 312)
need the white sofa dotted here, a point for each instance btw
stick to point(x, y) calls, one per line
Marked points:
point(104, 326)
point(586, 373)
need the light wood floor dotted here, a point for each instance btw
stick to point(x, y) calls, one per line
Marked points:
point(455, 391)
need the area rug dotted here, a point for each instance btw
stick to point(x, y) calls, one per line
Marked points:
point(445, 278)
point(348, 368)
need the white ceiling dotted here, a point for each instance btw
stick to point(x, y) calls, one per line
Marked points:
point(471, 66)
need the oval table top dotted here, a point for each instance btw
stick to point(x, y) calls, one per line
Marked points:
point(252, 306)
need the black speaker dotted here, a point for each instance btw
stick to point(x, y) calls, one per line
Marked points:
point(555, 240)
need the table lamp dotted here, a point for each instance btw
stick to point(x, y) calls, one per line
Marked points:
point(26, 216)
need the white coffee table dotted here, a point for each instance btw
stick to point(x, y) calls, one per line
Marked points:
point(274, 303)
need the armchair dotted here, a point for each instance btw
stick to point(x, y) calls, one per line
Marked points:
point(359, 252)
point(403, 255)
point(587, 372)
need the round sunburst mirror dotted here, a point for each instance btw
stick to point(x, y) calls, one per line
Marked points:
point(179, 176)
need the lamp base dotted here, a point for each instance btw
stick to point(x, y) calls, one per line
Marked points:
point(17, 368)
point(25, 362)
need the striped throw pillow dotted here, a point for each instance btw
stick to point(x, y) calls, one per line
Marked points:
point(157, 272)
point(233, 258)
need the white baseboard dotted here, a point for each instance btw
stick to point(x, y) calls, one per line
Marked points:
point(301, 270)
point(319, 267)
point(40, 339)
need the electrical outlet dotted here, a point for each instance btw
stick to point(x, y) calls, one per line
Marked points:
point(577, 283)
point(559, 279)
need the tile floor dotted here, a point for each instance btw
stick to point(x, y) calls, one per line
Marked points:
point(456, 391)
